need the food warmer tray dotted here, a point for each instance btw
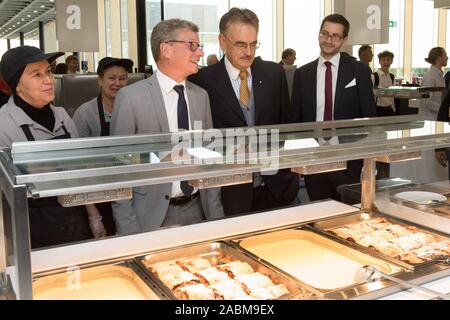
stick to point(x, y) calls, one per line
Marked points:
point(218, 253)
point(323, 226)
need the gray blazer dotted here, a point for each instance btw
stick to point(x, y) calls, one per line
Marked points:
point(139, 109)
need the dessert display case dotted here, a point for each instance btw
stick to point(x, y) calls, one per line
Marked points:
point(92, 170)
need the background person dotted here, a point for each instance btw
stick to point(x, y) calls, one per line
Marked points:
point(92, 118)
point(72, 64)
point(434, 77)
point(288, 57)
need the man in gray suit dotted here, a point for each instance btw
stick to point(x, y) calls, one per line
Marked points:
point(164, 103)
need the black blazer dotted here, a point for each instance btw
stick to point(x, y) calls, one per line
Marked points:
point(272, 106)
point(444, 110)
point(354, 102)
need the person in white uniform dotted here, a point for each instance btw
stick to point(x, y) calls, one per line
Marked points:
point(28, 116)
point(92, 118)
point(434, 77)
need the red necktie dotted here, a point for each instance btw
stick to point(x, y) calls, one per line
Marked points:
point(328, 114)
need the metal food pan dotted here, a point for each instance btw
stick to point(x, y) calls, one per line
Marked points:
point(318, 259)
point(218, 253)
point(108, 282)
point(322, 227)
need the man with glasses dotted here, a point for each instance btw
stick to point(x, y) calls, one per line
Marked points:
point(164, 103)
point(333, 87)
point(245, 91)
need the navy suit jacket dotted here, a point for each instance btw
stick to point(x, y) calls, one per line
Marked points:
point(272, 106)
point(354, 102)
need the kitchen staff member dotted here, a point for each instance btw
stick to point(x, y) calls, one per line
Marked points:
point(29, 115)
point(92, 118)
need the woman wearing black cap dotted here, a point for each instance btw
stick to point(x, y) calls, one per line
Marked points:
point(92, 118)
point(27, 116)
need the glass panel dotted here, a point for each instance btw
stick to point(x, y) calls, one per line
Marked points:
point(396, 38)
point(288, 142)
point(297, 15)
point(424, 36)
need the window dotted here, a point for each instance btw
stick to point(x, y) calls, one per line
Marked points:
point(396, 38)
point(108, 28)
point(205, 14)
point(124, 28)
point(266, 12)
point(302, 20)
point(153, 16)
point(425, 19)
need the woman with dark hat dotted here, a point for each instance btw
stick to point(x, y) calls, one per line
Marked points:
point(92, 118)
point(27, 116)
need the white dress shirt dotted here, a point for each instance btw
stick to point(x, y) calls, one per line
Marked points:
point(233, 73)
point(170, 97)
point(321, 70)
point(385, 82)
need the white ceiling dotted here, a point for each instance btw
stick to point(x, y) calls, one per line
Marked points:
point(23, 16)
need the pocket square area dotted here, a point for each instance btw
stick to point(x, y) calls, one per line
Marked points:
point(351, 83)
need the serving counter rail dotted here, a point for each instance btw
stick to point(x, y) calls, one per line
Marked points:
point(99, 169)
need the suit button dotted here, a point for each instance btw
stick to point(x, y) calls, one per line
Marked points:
point(167, 197)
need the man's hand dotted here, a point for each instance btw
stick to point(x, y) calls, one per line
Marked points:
point(441, 158)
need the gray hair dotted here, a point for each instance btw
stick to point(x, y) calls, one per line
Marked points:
point(235, 15)
point(167, 30)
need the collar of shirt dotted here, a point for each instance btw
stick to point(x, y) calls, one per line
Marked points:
point(334, 60)
point(167, 83)
point(233, 73)
point(437, 70)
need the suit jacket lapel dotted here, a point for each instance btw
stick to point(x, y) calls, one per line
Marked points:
point(340, 84)
point(226, 90)
point(158, 104)
point(258, 82)
point(313, 77)
point(194, 111)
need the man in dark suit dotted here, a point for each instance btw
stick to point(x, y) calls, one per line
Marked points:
point(333, 87)
point(245, 91)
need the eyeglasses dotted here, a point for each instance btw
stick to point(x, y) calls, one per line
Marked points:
point(192, 44)
point(325, 35)
point(244, 45)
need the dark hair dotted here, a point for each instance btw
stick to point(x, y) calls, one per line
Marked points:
point(337, 18)
point(245, 16)
point(386, 54)
point(168, 30)
point(70, 58)
point(61, 68)
point(287, 52)
point(362, 49)
point(434, 54)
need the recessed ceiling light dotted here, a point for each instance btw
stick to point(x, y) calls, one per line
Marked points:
point(29, 15)
point(35, 11)
point(42, 6)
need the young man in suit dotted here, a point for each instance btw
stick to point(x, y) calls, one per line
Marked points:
point(333, 87)
point(247, 92)
point(165, 103)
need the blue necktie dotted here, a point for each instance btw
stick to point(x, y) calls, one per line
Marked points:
point(183, 123)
